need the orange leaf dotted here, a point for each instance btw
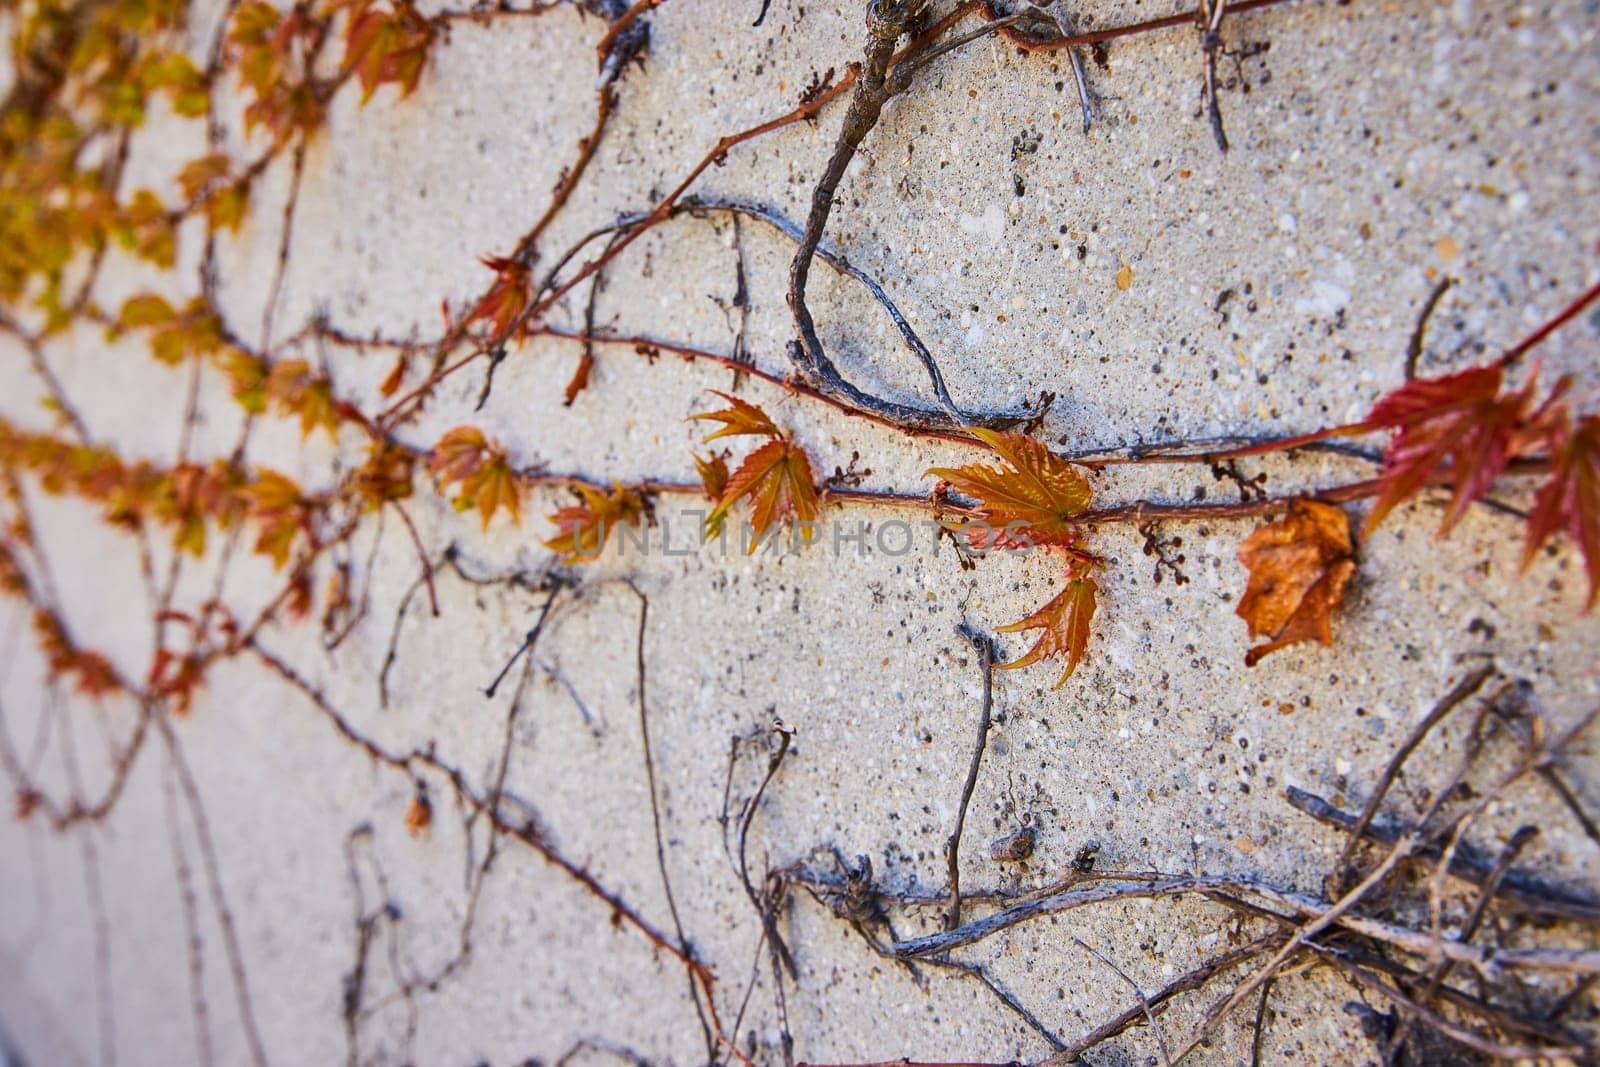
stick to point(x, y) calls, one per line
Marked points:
point(458, 454)
point(277, 505)
point(740, 419)
point(1298, 569)
point(286, 109)
point(396, 375)
point(1458, 426)
point(1029, 500)
point(300, 391)
point(200, 173)
point(387, 46)
point(297, 604)
point(1570, 500)
point(419, 813)
point(713, 471)
point(492, 487)
point(91, 673)
point(503, 304)
point(777, 479)
point(1065, 625)
point(27, 801)
point(487, 481)
point(586, 527)
point(384, 477)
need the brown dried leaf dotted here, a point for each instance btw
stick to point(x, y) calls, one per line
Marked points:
point(1298, 569)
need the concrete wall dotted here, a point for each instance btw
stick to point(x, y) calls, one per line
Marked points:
point(257, 877)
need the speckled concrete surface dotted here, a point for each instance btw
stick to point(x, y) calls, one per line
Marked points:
point(1377, 147)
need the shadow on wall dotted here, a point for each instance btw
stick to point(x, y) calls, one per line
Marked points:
point(9, 1057)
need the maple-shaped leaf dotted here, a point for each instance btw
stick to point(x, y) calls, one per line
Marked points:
point(144, 227)
point(384, 477)
point(286, 109)
point(506, 299)
point(175, 677)
point(493, 487)
point(1298, 569)
point(176, 74)
point(464, 456)
point(91, 673)
point(586, 527)
point(777, 479)
point(304, 393)
point(738, 420)
point(1030, 499)
point(247, 377)
point(225, 208)
point(1570, 499)
point(204, 183)
point(256, 40)
point(1064, 623)
point(281, 511)
point(387, 46)
point(713, 471)
point(198, 174)
point(174, 335)
point(457, 454)
point(1458, 427)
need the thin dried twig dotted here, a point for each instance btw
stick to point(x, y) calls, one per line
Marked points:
point(952, 846)
point(1449, 702)
point(1144, 1001)
point(1524, 892)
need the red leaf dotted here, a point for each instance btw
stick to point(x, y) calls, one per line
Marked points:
point(506, 299)
point(1458, 427)
point(1570, 500)
point(396, 375)
point(580, 378)
point(458, 454)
